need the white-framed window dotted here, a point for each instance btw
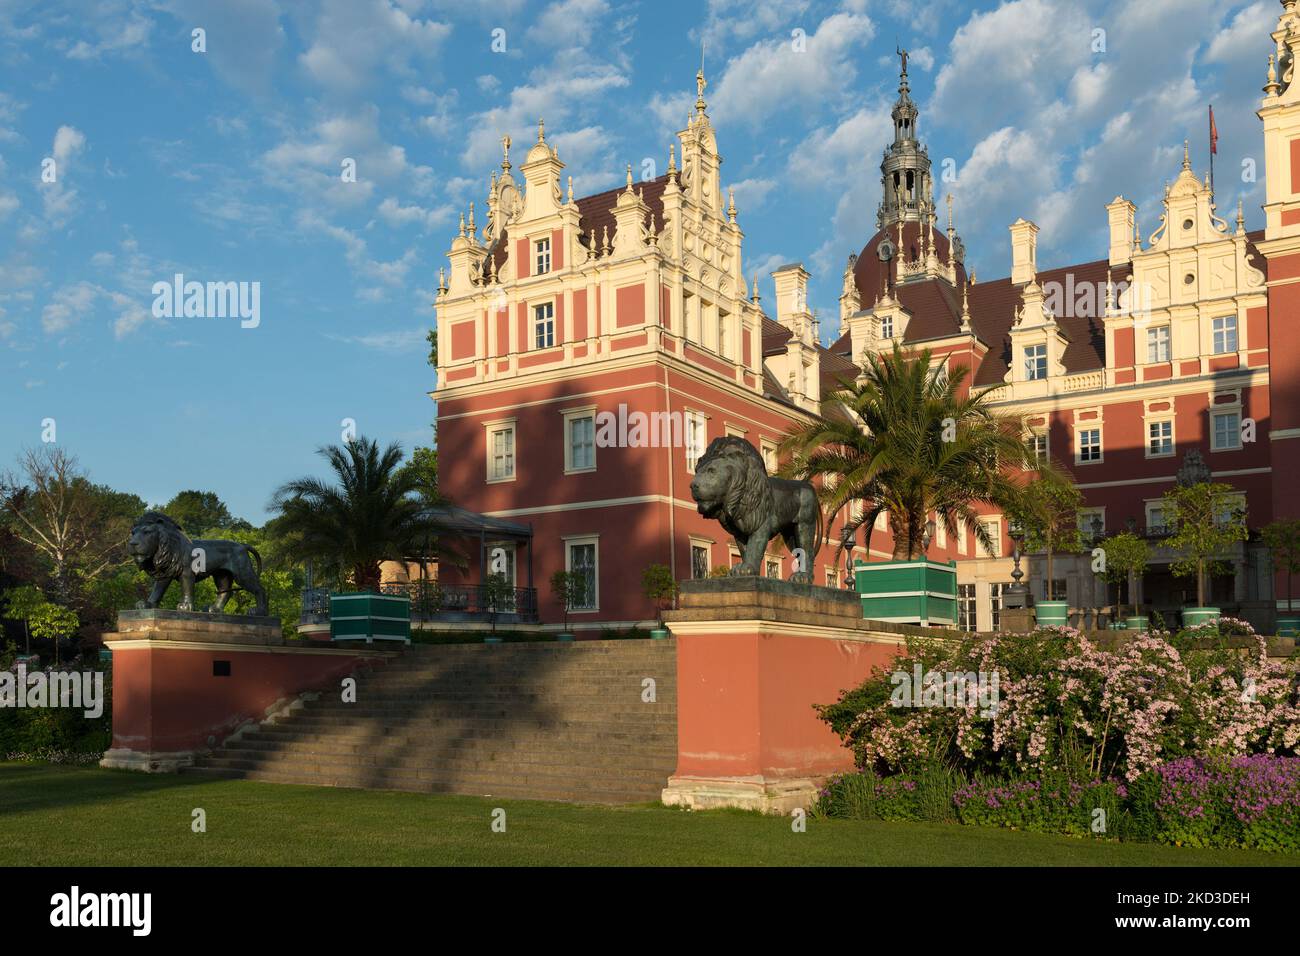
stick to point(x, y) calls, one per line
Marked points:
point(582, 557)
point(1156, 523)
point(501, 451)
point(995, 604)
point(966, 607)
point(1224, 331)
point(696, 438)
point(961, 537)
point(768, 450)
point(701, 559)
point(832, 577)
point(542, 247)
point(1089, 445)
point(1038, 447)
point(1225, 430)
point(1035, 362)
point(579, 441)
point(544, 325)
point(1158, 344)
point(1092, 522)
point(1160, 439)
point(1227, 506)
point(886, 326)
point(772, 568)
point(940, 532)
point(994, 528)
point(723, 320)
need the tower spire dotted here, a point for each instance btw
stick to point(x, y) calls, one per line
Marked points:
point(700, 83)
point(905, 170)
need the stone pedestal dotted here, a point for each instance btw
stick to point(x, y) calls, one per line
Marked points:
point(753, 657)
point(185, 681)
point(1016, 620)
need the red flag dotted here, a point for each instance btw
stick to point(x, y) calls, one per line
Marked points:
point(1214, 134)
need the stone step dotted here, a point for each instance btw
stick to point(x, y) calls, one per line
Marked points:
point(588, 767)
point(569, 794)
point(529, 752)
point(525, 721)
point(657, 751)
point(480, 780)
point(469, 735)
point(377, 705)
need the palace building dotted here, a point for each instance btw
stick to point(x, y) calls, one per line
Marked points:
point(561, 314)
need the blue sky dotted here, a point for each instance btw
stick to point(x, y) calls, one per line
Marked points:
point(224, 165)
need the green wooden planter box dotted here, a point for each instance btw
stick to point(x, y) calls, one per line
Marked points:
point(908, 592)
point(1051, 613)
point(369, 617)
point(660, 634)
point(1138, 623)
point(1288, 625)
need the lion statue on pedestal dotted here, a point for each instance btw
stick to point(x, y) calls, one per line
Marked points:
point(159, 547)
point(732, 485)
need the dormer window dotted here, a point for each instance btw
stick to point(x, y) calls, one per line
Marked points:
point(887, 327)
point(1035, 362)
point(543, 249)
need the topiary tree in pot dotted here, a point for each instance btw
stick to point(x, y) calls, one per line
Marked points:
point(1126, 559)
point(658, 584)
point(1206, 522)
point(568, 588)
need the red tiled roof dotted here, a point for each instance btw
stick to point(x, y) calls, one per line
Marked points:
point(869, 272)
point(597, 212)
point(775, 335)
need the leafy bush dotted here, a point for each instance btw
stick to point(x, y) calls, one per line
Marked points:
point(1064, 705)
point(55, 734)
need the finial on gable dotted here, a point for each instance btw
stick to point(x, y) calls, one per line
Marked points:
point(505, 149)
point(541, 130)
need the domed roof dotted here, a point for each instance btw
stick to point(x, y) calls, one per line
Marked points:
point(869, 271)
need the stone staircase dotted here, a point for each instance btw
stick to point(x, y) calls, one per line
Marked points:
point(544, 721)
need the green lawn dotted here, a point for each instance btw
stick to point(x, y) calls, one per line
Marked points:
point(86, 816)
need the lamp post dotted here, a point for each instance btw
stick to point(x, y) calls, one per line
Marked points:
point(1017, 595)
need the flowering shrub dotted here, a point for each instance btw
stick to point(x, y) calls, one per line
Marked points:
point(1067, 706)
point(1251, 802)
point(1244, 802)
point(1050, 804)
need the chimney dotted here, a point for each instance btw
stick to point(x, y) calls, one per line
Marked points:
point(1024, 251)
point(1123, 216)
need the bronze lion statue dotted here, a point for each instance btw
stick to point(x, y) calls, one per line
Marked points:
point(731, 484)
point(161, 548)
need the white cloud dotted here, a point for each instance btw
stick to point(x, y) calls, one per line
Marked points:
point(1241, 38)
point(394, 213)
point(566, 22)
point(772, 76)
point(68, 306)
point(553, 95)
point(350, 39)
point(750, 193)
point(117, 37)
point(60, 202)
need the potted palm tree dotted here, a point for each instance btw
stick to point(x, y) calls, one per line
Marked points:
point(658, 584)
point(373, 512)
point(908, 442)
